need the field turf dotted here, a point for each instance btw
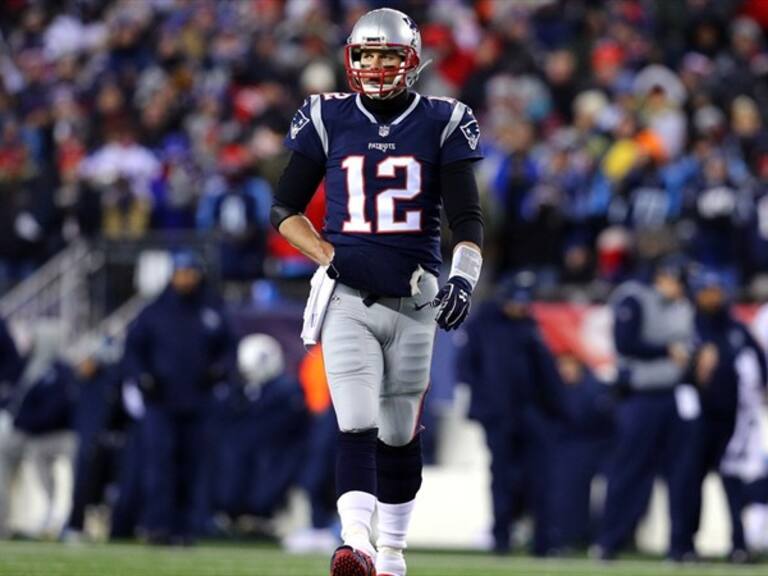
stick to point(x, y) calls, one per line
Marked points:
point(50, 559)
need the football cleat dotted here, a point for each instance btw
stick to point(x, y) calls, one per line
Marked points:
point(346, 561)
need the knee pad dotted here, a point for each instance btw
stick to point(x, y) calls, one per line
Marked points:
point(398, 471)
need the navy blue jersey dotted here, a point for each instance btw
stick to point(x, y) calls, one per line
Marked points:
point(382, 182)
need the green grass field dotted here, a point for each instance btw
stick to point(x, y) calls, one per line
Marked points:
point(36, 559)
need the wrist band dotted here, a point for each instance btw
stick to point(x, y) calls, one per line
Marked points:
point(467, 262)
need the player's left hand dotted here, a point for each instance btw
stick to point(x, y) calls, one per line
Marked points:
point(453, 302)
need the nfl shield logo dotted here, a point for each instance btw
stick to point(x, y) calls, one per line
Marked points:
point(384, 131)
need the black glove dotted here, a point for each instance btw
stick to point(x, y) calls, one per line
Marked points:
point(453, 302)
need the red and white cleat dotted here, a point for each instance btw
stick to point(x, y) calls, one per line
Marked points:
point(346, 561)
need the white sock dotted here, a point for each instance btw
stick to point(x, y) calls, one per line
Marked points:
point(355, 511)
point(390, 562)
point(393, 524)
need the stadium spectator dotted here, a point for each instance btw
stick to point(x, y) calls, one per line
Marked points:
point(124, 171)
point(75, 77)
point(720, 212)
point(238, 211)
point(27, 221)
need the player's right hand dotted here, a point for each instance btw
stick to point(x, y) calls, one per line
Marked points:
point(327, 252)
point(326, 259)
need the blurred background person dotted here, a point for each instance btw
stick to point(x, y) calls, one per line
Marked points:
point(261, 435)
point(11, 364)
point(729, 370)
point(653, 336)
point(177, 349)
point(98, 380)
point(42, 408)
point(317, 476)
point(515, 392)
point(584, 444)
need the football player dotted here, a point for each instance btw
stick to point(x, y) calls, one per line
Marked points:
point(390, 158)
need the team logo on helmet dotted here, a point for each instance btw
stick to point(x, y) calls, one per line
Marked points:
point(413, 27)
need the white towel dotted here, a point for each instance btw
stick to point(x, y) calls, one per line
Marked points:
point(320, 293)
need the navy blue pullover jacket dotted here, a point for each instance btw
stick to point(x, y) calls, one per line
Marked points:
point(178, 347)
point(719, 396)
point(11, 365)
point(49, 404)
point(507, 366)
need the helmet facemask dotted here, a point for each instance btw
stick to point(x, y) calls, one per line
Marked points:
point(383, 82)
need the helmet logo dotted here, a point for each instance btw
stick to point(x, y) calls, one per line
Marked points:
point(411, 24)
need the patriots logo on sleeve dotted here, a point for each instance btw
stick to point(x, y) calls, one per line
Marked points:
point(471, 131)
point(299, 121)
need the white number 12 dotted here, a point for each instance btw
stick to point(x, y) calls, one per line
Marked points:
point(385, 200)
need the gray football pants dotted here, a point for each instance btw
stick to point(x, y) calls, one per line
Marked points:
point(377, 360)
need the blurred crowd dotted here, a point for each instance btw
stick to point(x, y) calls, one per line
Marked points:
point(614, 132)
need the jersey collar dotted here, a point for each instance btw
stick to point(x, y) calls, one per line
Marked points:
point(397, 120)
